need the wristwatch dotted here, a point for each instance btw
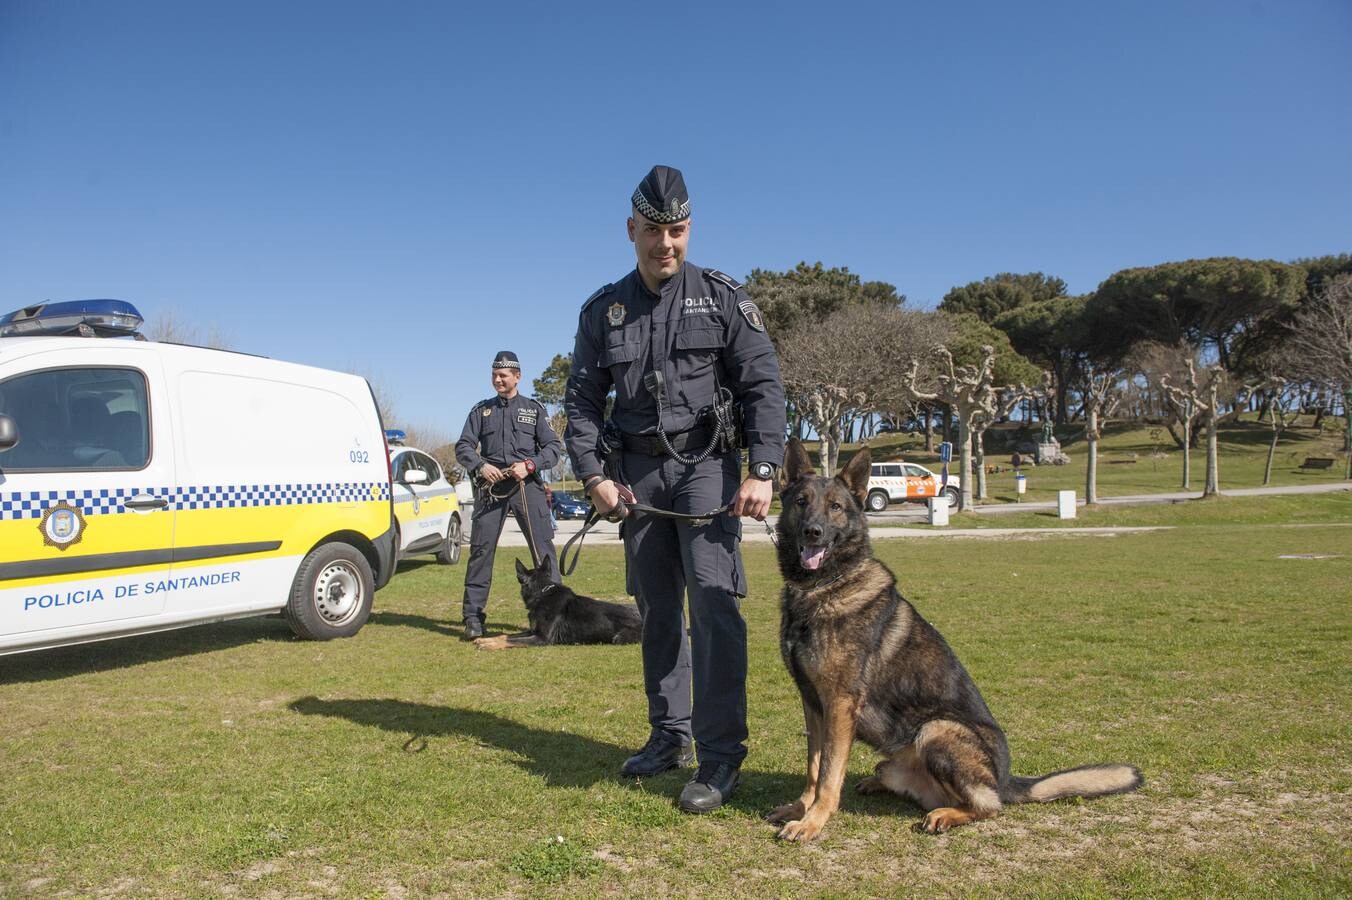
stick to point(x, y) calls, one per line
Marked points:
point(763, 470)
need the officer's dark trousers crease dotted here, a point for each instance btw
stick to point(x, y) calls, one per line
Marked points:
point(712, 660)
point(487, 521)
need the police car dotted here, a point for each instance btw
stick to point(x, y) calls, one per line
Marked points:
point(895, 482)
point(146, 486)
point(425, 503)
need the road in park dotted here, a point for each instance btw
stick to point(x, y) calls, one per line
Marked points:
point(754, 532)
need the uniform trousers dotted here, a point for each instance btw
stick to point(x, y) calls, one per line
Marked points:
point(488, 519)
point(696, 684)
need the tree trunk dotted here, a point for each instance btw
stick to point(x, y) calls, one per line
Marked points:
point(929, 429)
point(1272, 451)
point(1187, 455)
point(1212, 487)
point(965, 463)
point(830, 452)
point(1347, 433)
point(979, 442)
point(1091, 466)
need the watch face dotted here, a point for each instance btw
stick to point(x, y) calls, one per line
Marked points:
point(763, 470)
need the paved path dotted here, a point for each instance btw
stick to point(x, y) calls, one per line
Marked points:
point(754, 532)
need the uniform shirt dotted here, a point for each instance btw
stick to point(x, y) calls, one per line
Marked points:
point(503, 432)
point(702, 332)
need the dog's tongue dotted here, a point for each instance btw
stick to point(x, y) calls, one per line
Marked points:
point(812, 557)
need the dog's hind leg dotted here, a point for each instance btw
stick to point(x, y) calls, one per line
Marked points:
point(905, 775)
point(812, 723)
point(960, 767)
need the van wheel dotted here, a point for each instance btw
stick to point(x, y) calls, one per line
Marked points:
point(876, 502)
point(449, 554)
point(332, 594)
point(952, 494)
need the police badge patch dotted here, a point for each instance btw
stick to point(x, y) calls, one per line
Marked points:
point(525, 416)
point(751, 314)
point(62, 525)
point(615, 315)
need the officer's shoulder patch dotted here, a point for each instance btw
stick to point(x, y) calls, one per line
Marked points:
point(600, 292)
point(751, 314)
point(722, 278)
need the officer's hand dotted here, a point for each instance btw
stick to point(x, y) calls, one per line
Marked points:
point(753, 498)
point(490, 473)
point(519, 471)
point(605, 495)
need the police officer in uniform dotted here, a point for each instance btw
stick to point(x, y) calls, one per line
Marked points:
point(672, 338)
point(506, 442)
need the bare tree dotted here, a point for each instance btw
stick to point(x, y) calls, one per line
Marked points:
point(1321, 346)
point(995, 405)
point(966, 389)
point(825, 378)
point(171, 328)
point(1281, 399)
point(1202, 394)
point(1099, 393)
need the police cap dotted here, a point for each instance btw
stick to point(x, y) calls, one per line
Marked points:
point(506, 359)
point(661, 196)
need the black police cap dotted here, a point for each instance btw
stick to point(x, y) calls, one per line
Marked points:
point(506, 359)
point(661, 196)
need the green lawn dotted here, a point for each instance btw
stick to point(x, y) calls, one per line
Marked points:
point(232, 759)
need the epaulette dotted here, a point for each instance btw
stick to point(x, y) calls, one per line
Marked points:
point(722, 278)
point(600, 292)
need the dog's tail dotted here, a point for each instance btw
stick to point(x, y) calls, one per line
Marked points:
point(1084, 781)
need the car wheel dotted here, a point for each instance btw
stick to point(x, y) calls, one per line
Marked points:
point(876, 502)
point(332, 594)
point(952, 494)
point(449, 554)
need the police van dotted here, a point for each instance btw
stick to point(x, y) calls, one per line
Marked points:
point(146, 485)
point(426, 508)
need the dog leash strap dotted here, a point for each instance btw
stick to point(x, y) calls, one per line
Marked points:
point(565, 567)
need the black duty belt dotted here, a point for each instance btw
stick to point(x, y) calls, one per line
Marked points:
point(650, 444)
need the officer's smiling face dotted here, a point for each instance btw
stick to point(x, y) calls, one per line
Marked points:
point(660, 248)
point(505, 381)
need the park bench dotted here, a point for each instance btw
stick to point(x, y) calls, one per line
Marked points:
point(1121, 462)
point(1317, 462)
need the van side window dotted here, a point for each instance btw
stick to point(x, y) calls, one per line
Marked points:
point(429, 465)
point(77, 419)
point(890, 471)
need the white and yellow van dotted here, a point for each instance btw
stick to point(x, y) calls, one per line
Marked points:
point(147, 485)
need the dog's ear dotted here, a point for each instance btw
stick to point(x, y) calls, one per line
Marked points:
point(522, 573)
point(796, 463)
point(546, 568)
point(855, 474)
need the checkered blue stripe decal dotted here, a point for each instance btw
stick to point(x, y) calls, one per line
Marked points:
point(108, 501)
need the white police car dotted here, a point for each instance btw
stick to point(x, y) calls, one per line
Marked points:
point(425, 503)
point(896, 482)
point(146, 486)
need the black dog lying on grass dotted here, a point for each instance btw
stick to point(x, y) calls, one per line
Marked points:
point(558, 615)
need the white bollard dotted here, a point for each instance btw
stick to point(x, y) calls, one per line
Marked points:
point(938, 510)
point(1065, 504)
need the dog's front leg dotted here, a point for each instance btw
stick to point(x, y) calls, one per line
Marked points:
point(812, 722)
point(838, 721)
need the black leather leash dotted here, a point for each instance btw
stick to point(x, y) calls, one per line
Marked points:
point(566, 568)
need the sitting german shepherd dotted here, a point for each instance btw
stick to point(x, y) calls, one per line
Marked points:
point(868, 665)
point(557, 615)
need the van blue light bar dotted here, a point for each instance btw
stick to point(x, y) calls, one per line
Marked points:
point(100, 318)
point(395, 436)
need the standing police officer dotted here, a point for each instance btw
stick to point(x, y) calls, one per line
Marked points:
point(505, 437)
point(673, 339)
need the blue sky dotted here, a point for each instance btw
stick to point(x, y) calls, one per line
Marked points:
point(404, 189)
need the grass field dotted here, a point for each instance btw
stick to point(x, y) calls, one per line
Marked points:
point(233, 760)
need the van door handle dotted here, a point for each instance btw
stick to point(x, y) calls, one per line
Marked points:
point(146, 503)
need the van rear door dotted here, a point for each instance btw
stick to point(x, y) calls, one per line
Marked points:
point(86, 496)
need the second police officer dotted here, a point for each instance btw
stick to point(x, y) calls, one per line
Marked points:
point(672, 339)
point(505, 443)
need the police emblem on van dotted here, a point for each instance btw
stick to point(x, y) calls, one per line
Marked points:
point(615, 315)
point(62, 525)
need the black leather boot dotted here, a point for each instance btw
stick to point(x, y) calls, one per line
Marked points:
point(473, 629)
point(711, 787)
point(658, 755)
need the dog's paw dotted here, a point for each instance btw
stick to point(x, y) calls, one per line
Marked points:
point(496, 642)
point(801, 830)
point(870, 785)
point(786, 813)
point(937, 821)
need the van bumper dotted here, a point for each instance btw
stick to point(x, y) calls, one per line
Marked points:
point(385, 555)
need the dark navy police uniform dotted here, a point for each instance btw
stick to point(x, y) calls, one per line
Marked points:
point(503, 432)
point(702, 332)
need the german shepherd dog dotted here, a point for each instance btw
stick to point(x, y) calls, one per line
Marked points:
point(558, 615)
point(869, 666)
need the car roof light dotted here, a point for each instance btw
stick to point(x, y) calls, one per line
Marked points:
point(395, 437)
point(87, 318)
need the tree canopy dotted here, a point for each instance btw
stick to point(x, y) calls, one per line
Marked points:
point(811, 293)
point(553, 381)
point(988, 298)
point(972, 335)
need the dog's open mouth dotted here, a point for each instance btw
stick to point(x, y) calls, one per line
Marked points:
point(812, 557)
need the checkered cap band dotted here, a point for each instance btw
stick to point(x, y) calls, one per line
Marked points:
point(675, 213)
point(109, 501)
